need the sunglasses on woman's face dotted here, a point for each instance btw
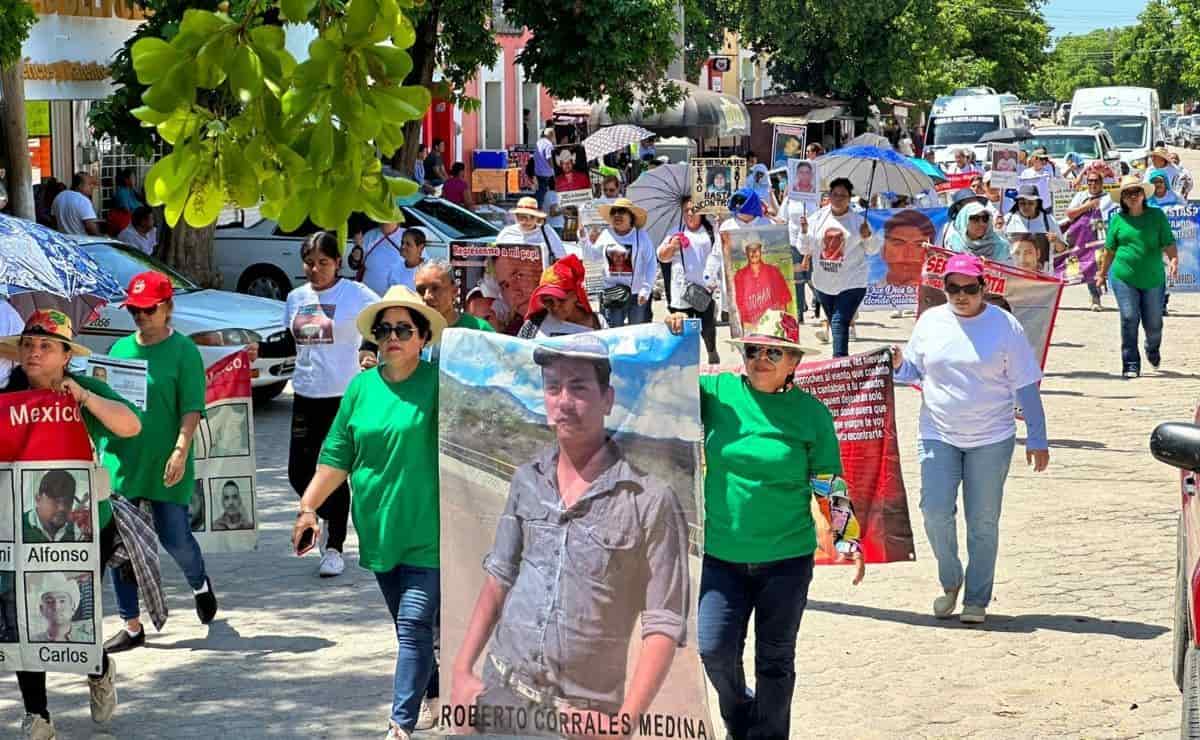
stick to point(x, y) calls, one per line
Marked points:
point(774, 355)
point(403, 332)
point(1133, 194)
point(136, 311)
point(969, 288)
point(979, 218)
point(619, 212)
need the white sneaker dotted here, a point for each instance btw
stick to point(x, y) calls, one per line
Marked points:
point(332, 564)
point(973, 615)
point(943, 606)
point(395, 733)
point(427, 719)
point(34, 727)
point(103, 694)
point(853, 334)
point(822, 335)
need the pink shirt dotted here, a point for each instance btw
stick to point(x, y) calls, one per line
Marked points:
point(455, 190)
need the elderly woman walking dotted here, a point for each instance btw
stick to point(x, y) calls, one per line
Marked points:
point(1138, 238)
point(973, 363)
point(770, 447)
point(384, 440)
point(973, 233)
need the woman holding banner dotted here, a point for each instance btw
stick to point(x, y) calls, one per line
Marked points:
point(973, 363)
point(384, 441)
point(1138, 238)
point(161, 471)
point(836, 245)
point(45, 348)
point(320, 316)
point(769, 448)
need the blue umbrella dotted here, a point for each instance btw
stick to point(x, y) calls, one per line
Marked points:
point(929, 168)
point(873, 170)
point(41, 268)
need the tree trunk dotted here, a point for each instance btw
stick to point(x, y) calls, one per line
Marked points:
point(424, 56)
point(191, 252)
point(16, 139)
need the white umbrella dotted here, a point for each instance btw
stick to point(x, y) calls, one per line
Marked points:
point(869, 139)
point(661, 192)
point(613, 139)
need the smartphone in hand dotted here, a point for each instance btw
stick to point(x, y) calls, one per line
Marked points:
point(308, 539)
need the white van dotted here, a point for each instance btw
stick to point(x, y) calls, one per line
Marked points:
point(1129, 114)
point(957, 121)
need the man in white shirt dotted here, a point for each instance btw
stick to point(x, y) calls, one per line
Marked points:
point(140, 233)
point(381, 251)
point(962, 163)
point(72, 209)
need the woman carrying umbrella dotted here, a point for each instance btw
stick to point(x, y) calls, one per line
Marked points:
point(696, 270)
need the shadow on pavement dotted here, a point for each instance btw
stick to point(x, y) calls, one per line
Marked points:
point(1075, 444)
point(1025, 623)
point(223, 637)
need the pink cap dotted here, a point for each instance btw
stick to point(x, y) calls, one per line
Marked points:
point(964, 264)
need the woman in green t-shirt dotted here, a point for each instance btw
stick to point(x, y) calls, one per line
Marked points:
point(769, 447)
point(157, 467)
point(44, 348)
point(1139, 236)
point(384, 440)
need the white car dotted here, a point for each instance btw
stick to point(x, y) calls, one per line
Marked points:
point(216, 320)
point(263, 260)
point(1091, 143)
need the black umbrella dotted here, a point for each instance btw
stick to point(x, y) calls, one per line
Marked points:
point(1006, 136)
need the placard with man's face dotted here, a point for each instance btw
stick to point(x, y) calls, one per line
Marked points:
point(56, 506)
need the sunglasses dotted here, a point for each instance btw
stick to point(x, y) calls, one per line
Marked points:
point(619, 212)
point(136, 311)
point(403, 332)
point(774, 355)
point(979, 218)
point(969, 289)
point(1095, 182)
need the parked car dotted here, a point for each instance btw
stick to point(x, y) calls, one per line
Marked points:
point(1063, 115)
point(1045, 108)
point(264, 260)
point(1187, 131)
point(1178, 444)
point(1090, 143)
point(216, 320)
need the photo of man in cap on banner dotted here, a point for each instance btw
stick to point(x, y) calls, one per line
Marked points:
point(50, 515)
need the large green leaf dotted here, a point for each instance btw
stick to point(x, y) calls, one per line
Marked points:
point(211, 61)
point(246, 74)
point(321, 146)
point(296, 11)
point(396, 63)
point(360, 14)
point(148, 115)
point(205, 203)
point(202, 23)
point(151, 59)
point(270, 37)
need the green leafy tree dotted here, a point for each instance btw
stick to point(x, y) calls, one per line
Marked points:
point(1150, 54)
point(1086, 60)
point(1187, 35)
point(16, 18)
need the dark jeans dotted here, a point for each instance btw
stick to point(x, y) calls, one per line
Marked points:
point(840, 309)
point(543, 185)
point(412, 595)
point(174, 529)
point(1138, 307)
point(708, 325)
point(666, 274)
point(311, 419)
point(776, 593)
point(631, 313)
point(33, 683)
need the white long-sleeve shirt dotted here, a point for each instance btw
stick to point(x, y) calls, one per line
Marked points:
point(698, 264)
point(613, 249)
point(845, 270)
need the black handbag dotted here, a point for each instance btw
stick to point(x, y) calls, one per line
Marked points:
point(618, 296)
point(697, 298)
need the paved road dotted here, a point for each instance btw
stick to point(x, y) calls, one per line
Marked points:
point(1077, 642)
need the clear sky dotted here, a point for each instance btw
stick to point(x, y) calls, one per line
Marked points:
point(1081, 16)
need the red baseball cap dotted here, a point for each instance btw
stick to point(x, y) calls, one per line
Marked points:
point(148, 289)
point(564, 277)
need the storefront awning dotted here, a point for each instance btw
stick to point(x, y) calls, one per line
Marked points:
point(818, 115)
point(702, 113)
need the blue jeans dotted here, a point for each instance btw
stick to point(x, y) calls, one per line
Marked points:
point(1143, 307)
point(174, 528)
point(982, 472)
point(631, 313)
point(412, 595)
point(777, 593)
point(840, 309)
point(543, 185)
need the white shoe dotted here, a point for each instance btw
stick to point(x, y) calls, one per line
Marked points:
point(332, 564)
point(395, 733)
point(822, 335)
point(943, 606)
point(103, 694)
point(427, 719)
point(35, 728)
point(853, 334)
point(973, 615)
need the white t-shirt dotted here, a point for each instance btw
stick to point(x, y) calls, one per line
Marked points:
point(1083, 196)
point(1015, 223)
point(10, 326)
point(699, 264)
point(543, 236)
point(71, 209)
point(134, 238)
point(971, 369)
point(402, 274)
point(834, 271)
point(381, 252)
point(327, 339)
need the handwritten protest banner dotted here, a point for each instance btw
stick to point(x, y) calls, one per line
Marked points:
point(859, 392)
point(1185, 225)
point(573, 594)
point(714, 180)
point(50, 489)
point(496, 280)
point(1032, 297)
point(759, 274)
point(894, 273)
point(224, 505)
